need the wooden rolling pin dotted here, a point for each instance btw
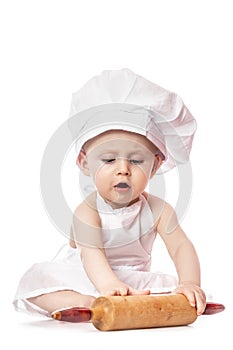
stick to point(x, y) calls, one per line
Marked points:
point(132, 312)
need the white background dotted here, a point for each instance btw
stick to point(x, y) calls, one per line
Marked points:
point(49, 49)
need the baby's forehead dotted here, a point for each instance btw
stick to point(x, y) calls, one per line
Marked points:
point(116, 139)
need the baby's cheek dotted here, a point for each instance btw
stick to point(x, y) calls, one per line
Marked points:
point(143, 173)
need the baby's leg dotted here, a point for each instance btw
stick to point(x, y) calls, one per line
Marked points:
point(61, 299)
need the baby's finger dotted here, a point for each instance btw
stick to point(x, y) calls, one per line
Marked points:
point(138, 292)
point(118, 292)
point(200, 304)
point(123, 291)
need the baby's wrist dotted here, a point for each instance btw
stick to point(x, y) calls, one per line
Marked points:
point(188, 283)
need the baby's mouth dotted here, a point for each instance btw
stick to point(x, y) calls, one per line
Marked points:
point(122, 185)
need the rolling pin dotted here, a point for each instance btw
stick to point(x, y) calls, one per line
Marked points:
point(133, 312)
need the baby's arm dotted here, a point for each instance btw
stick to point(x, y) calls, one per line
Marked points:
point(184, 257)
point(87, 235)
point(101, 275)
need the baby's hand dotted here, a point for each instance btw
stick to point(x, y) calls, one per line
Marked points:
point(194, 294)
point(122, 290)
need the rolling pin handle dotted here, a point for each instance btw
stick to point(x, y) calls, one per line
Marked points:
point(72, 314)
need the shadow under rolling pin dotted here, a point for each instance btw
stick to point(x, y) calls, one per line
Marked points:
point(133, 312)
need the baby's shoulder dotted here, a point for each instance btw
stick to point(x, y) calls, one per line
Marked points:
point(159, 207)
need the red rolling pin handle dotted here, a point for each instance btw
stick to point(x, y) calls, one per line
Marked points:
point(73, 314)
point(213, 308)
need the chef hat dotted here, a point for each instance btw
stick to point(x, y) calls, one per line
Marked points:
point(123, 100)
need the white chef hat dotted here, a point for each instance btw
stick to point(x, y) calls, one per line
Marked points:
point(123, 100)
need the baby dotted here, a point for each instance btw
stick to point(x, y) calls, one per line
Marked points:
point(129, 130)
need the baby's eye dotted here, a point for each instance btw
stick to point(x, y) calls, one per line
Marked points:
point(136, 161)
point(110, 160)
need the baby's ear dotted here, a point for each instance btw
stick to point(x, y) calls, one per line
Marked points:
point(82, 163)
point(157, 163)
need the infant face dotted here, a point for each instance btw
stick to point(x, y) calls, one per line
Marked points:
point(121, 163)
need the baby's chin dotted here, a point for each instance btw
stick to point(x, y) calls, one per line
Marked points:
point(122, 201)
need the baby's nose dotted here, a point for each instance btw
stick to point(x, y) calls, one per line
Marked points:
point(123, 167)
